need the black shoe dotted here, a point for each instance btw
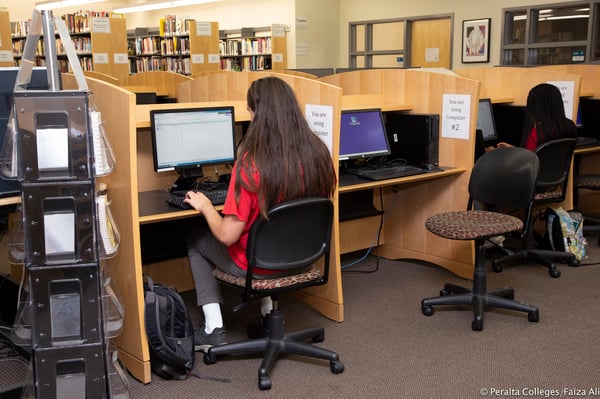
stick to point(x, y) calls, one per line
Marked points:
point(203, 341)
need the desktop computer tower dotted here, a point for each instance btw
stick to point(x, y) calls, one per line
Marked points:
point(414, 138)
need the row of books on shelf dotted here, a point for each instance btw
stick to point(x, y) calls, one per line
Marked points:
point(254, 63)
point(246, 46)
point(178, 65)
point(167, 46)
point(79, 22)
point(83, 45)
point(171, 25)
point(86, 63)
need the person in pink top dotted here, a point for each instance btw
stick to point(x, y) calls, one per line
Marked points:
point(278, 159)
point(545, 118)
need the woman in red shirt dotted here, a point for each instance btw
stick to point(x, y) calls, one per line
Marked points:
point(279, 159)
point(545, 118)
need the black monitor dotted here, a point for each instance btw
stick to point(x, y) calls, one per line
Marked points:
point(187, 139)
point(485, 120)
point(362, 134)
point(8, 76)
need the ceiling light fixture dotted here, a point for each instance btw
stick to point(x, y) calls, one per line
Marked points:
point(158, 6)
point(51, 5)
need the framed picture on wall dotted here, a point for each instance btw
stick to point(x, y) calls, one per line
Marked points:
point(476, 40)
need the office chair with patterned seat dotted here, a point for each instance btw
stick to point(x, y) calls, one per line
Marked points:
point(551, 188)
point(503, 178)
point(296, 235)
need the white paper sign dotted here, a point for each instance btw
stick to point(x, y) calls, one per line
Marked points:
point(100, 58)
point(214, 58)
point(320, 119)
point(197, 58)
point(456, 116)
point(203, 28)
point(101, 25)
point(432, 54)
point(6, 56)
point(277, 57)
point(567, 90)
point(120, 58)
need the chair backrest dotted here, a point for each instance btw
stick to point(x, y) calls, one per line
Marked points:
point(555, 163)
point(505, 178)
point(296, 235)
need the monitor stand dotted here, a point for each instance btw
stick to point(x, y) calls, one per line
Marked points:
point(187, 179)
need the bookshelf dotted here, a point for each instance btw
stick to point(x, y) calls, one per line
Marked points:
point(6, 55)
point(182, 46)
point(99, 38)
point(253, 49)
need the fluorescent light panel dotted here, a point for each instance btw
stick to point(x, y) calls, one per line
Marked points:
point(158, 6)
point(63, 3)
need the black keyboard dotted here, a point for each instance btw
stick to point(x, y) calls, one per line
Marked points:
point(584, 142)
point(217, 197)
point(385, 172)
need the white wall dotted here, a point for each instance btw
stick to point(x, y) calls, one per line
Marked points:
point(323, 41)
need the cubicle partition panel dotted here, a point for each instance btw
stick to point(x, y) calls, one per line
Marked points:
point(164, 82)
point(127, 128)
point(511, 85)
point(408, 203)
point(586, 158)
point(117, 107)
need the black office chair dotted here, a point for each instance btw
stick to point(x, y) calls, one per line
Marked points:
point(503, 178)
point(296, 235)
point(551, 188)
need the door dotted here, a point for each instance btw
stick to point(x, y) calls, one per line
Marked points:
point(431, 43)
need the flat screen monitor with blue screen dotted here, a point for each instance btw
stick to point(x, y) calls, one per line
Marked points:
point(485, 120)
point(185, 140)
point(362, 134)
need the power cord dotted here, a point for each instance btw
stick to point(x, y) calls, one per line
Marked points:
point(377, 241)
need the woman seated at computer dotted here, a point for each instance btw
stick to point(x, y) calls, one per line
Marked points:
point(545, 118)
point(279, 159)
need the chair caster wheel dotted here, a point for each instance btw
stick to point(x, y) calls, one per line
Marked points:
point(264, 383)
point(319, 338)
point(533, 316)
point(477, 325)
point(573, 263)
point(497, 268)
point(427, 310)
point(554, 273)
point(209, 359)
point(336, 367)
point(444, 292)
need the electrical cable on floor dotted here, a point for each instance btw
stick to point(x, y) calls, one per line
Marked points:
point(368, 252)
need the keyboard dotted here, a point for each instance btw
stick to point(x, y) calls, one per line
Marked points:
point(217, 197)
point(385, 172)
point(584, 142)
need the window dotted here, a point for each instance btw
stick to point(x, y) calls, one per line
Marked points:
point(551, 34)
point(386, 43)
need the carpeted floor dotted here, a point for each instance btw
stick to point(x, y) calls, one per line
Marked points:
point(391, 350)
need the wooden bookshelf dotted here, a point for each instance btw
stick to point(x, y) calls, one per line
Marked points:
point(100, 40)
point(253, 49)
point(6, 54)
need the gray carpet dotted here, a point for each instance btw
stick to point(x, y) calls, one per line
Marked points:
point(390, 350)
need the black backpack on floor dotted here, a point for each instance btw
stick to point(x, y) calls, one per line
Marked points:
point(169, 330)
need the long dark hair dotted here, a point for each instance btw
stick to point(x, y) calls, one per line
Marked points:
point(545, 111)
point(291, 160)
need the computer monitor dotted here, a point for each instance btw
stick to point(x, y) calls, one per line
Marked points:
point(8, 76)
point(485, 120)
point(187, 139)
point(362, 134)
